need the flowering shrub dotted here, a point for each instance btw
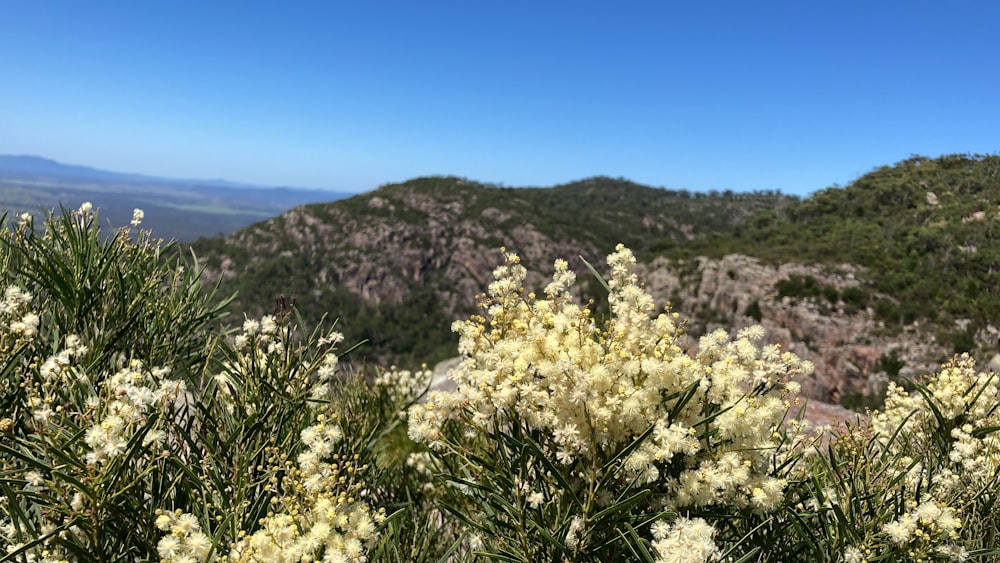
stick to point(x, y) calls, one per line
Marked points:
point(403, 384)
point(133, 428)
point(562, 433)
point(922, 477)
point(99, 338)
point(321, 514)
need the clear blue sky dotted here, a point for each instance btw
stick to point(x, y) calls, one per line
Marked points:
point(793, 96)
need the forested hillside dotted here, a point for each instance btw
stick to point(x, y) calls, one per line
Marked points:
point(400, 263)
point(927, 231)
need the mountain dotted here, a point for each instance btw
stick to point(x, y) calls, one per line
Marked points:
point(927, 230)
point(875, 281)
point(400, 263)
point(175, 208)
point(905, 272)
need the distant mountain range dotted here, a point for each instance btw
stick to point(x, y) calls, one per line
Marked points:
point(182, 209)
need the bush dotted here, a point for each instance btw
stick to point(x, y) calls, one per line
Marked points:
point(570, 441)
point(132, 430)
point(799, 287)
point(99, 338)
point(753, 311)
point(855, 297)
point(919, 483)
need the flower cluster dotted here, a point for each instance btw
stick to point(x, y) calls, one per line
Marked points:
point(934, 452)
point(16, 321)
point(18, 328)
point(965, 400)
point(684, 541)
point(957, 410)
point(55, 373)
point(185, 542)
point(326, 371)
point(928, 520)
point(134, 392)
point(404, 386)
point(110, 412)
point(547, 364)
point(322, 515)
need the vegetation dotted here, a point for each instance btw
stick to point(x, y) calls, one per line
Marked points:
point(132, 429)
point(926, 230)
point(434, 223)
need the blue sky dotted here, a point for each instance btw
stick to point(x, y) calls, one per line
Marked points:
point(793, 96)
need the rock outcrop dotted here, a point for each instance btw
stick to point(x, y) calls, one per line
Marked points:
point(849, 348)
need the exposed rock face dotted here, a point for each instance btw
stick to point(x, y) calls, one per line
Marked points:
point(447, 231)
point(381, 258)
point(847, 347)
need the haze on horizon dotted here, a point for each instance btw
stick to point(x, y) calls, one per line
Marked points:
point(789, 96)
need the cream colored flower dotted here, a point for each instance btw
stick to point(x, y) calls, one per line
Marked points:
point(592, 388)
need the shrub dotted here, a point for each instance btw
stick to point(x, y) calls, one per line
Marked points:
point(115, 337)
point(566, 440)
point(920, 482)
point(855, 297)
point(798, 286)
point(131, 430)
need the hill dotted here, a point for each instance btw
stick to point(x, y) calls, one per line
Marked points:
point(881, 279)
point(175, 208)
point(927, 230)
point(400, 263)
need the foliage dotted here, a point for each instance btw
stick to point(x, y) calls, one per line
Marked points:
point(925, 229)
point(920, 482)
point(126, 415)
point(799, 287)
point(568, 437)
point(85, 387)
point(310, 253)
point(565, 439)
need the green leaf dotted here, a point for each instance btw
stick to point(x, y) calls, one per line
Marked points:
point(597, 275)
